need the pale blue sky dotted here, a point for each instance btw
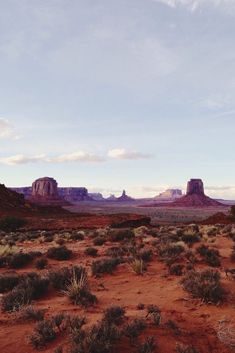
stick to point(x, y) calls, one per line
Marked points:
point(136, 94)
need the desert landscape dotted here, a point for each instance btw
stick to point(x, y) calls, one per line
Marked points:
point(118, 277)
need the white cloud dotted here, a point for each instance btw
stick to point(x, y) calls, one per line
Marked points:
point(6, 130)
point(79, 156)
point(121, 153)
point(195, 4)
point(21, 159)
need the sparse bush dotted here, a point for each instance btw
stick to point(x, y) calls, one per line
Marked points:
point(148, 346)
point(116, 235)
point(211, 256)
point(43, 333)
point(155, 313)
point(58, 320)
point(173, 327)
point(133, 329)
point(42, 263)
point(98, 241)
point(232, 257)
point(30, 313)
point(114, 315)
point(180, 348)
point(146, 255)
point(115, 251)
point(190, 238)
point(138, 266)
point(104, 266)
point(31, 287)
point(176, 269)
point(140, 306)
point(8, 282)
point(204, 285)
point(59, 253)
point(12, 224)
point(19, 260)
point(77, 236)
point(91, 251)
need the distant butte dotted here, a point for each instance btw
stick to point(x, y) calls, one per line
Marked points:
point(195, 196)
point(124, 197)
point(45, 192)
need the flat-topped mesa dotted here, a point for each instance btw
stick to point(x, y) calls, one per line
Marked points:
point(45, 191)
point(45, 188)
point(170, 194)
point(195, 186)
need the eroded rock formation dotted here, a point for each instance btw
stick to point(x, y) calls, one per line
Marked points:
point(124, 197)
point(45, 191)
point(170, 194)
point(195, 186)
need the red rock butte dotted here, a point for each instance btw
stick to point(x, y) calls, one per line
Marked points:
point(45, 191)
point(195, 196)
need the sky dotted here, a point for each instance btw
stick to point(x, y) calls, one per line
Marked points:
point(111, 95)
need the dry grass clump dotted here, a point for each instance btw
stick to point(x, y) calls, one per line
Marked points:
point(29, 313)
point(8, 281)
point(78, 290)
point(138, 266)
point(148, 346)
point(155, 313)
point(61, 278)
point(205, 285)
point(181, 348)
point(226, 333)
point(134, 328)
point(114, 315)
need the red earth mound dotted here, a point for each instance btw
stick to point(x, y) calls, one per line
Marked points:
point(195, 200)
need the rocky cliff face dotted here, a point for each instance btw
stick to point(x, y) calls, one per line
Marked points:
point(45, 188)
point(124, 197)
point(195, 186)
point(74, 194)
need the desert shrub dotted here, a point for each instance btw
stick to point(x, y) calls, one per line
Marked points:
point(155, 313)
point(204, 285)
point(170, 324)
point(61, 278)
point(75, 324)
point(91, 251)
point(176, 269)
point(232, 257)
point(60, 241)
point(49, 238)
point(19, 260)
point(114, 315)
point(190, 238)
point(232, 212)
point(100, 338)
point(180, 348)
point(138, 266)
point(77, 236)
point(146, 255)
point(211, 256)
point(58, 349)
point(169, 250)
point(44, 333)
point(98, 241)
point(8, 282)
point(42, 263)
point(104, 266)
point(115, 251)
point(12, 224)
point(148, 346)
point(31, 287)
point(59, 253)
point(58, 320)
point(133, 329)
point(116, 235)
point(30, 313)
point(140, 306)
point(78, 291)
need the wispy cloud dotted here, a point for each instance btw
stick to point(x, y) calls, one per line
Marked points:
point(193, 5)
point(7, 130)
point(79, 156)
point(121, 153)
point(21, 159)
